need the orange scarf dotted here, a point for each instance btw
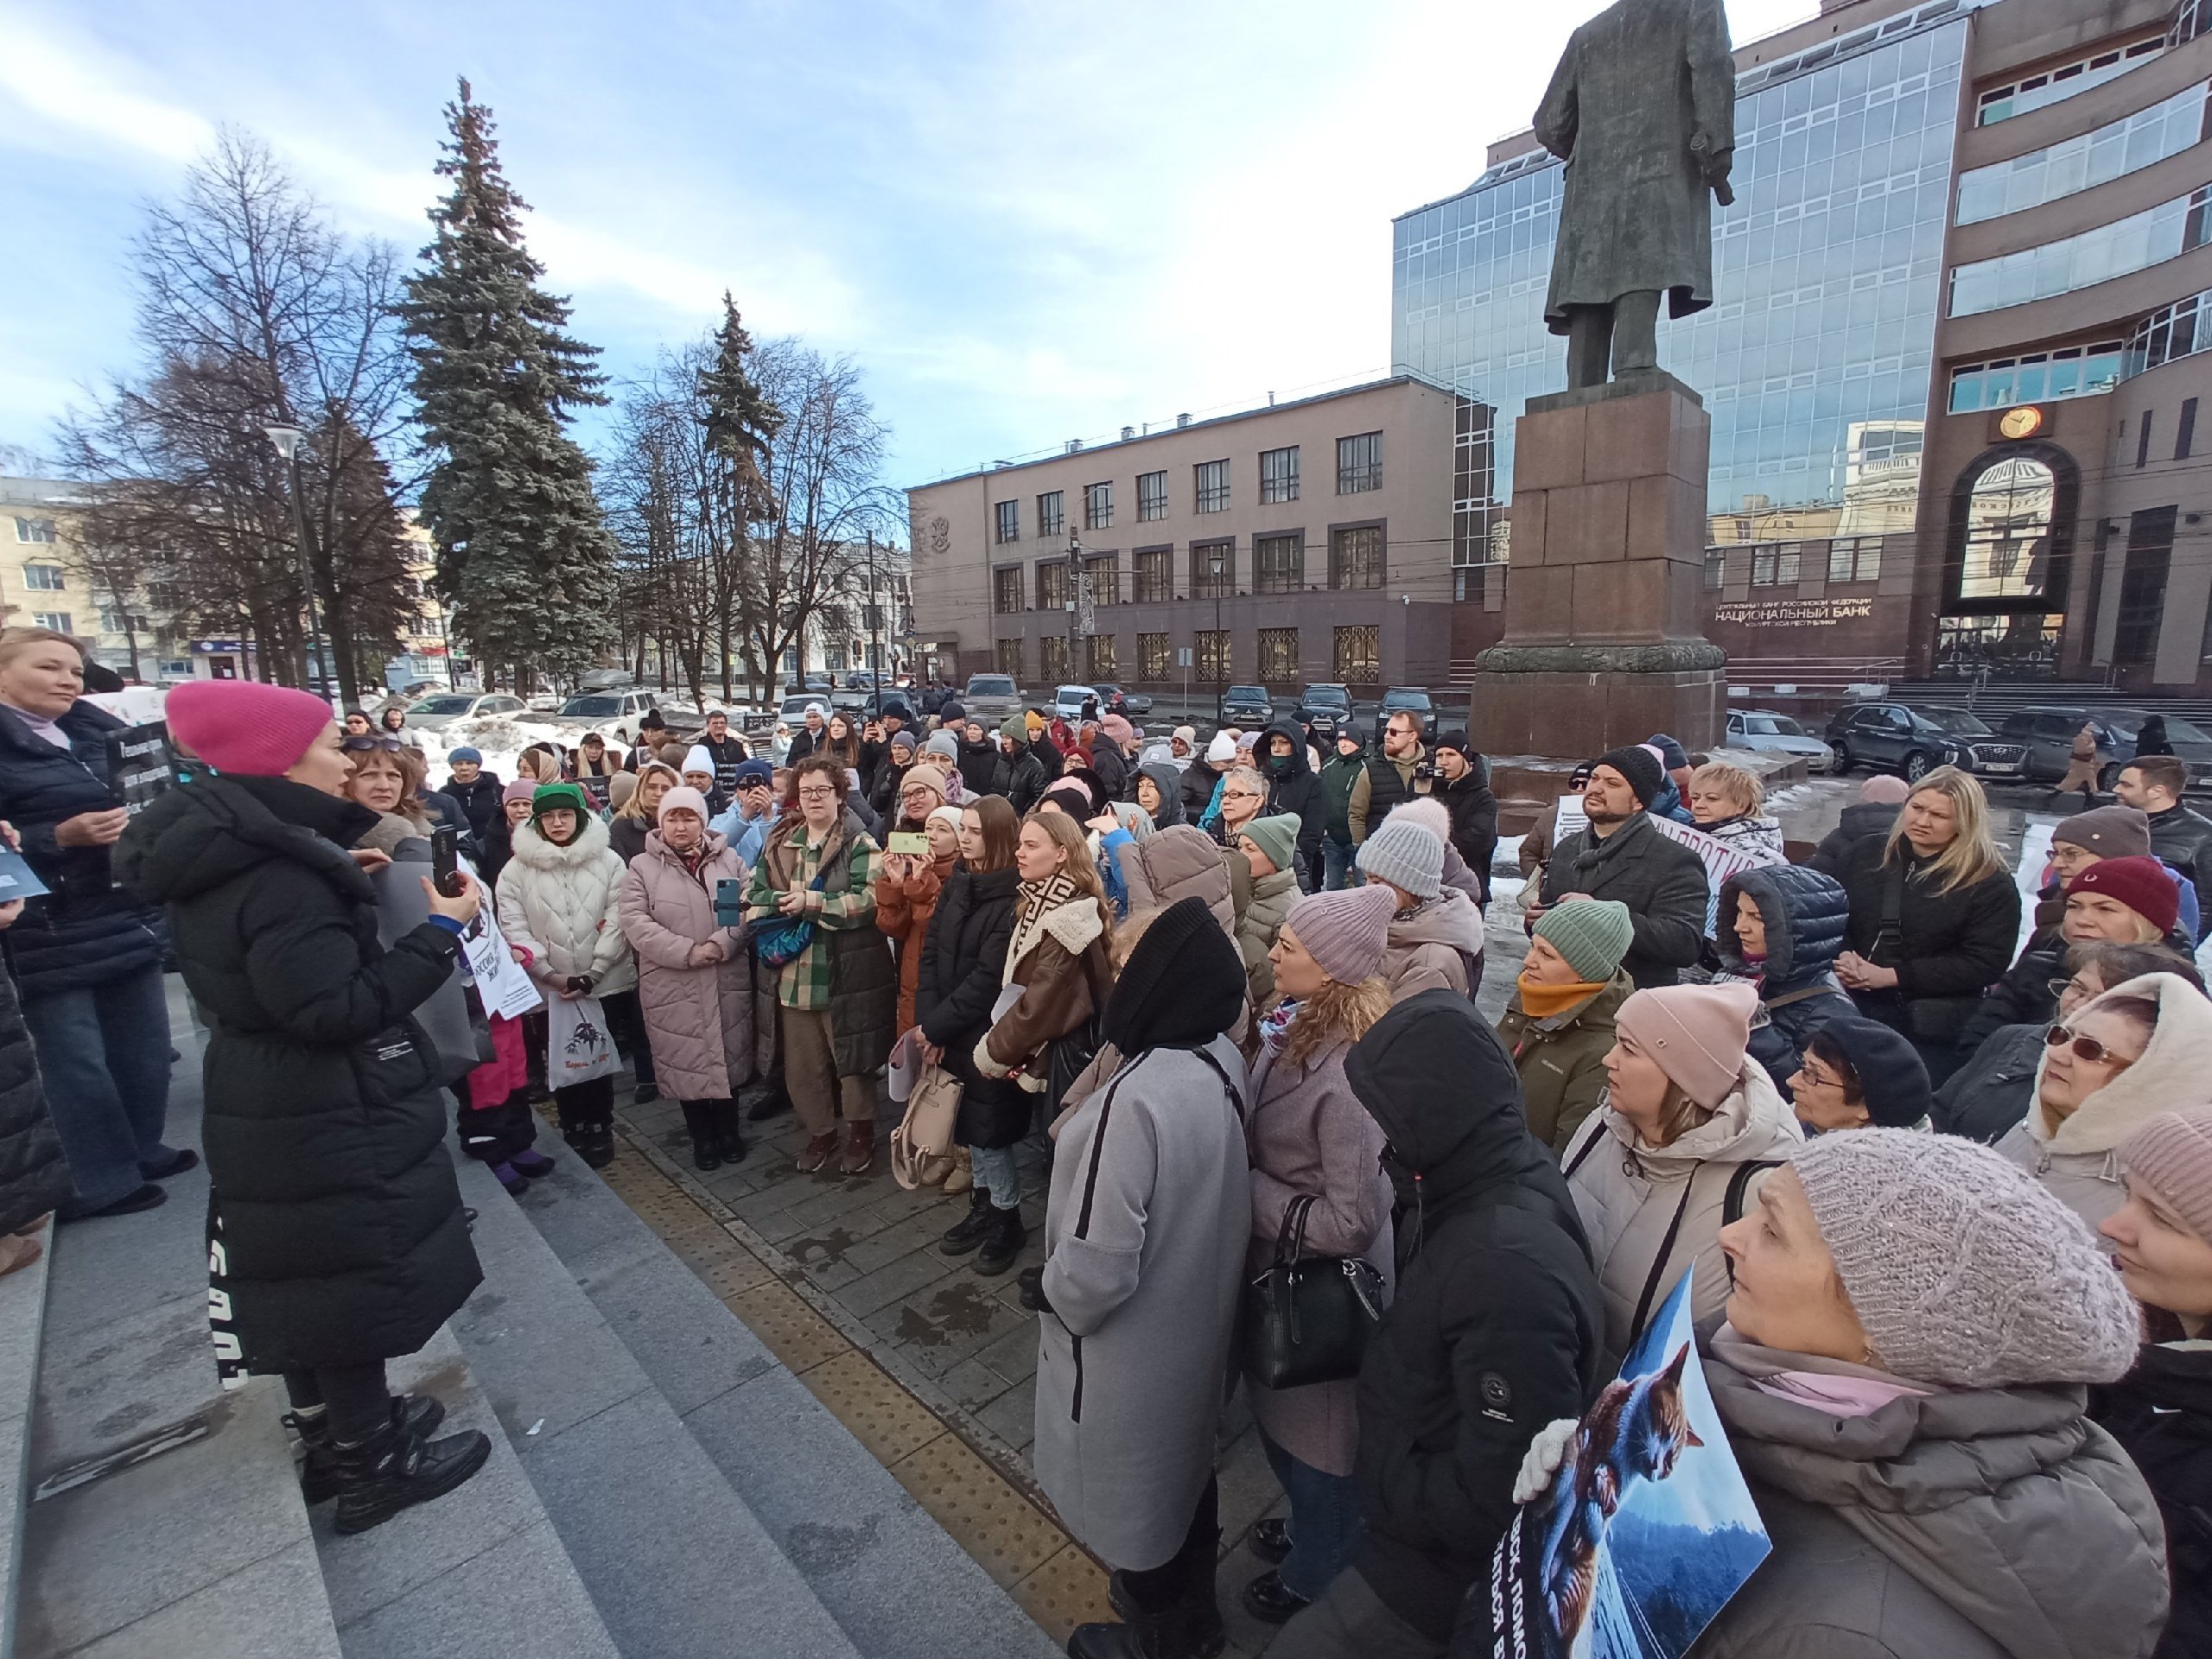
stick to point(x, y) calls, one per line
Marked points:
point(1542, 1001)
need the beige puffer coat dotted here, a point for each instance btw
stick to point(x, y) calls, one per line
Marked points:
point(1629, 1194)
point(698, 1020)
point(1433, 947)
point(561, 904)
point(1177, 862)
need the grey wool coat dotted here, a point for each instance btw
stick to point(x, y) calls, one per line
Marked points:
point(1976, 1524)
point(699, 1020)
point(1145, 1236)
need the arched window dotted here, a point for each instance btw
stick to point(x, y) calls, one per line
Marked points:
point(2008, 530)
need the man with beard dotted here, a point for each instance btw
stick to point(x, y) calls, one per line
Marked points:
point(1622, 855)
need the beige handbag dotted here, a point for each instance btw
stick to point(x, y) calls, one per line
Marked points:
point(925, 1133)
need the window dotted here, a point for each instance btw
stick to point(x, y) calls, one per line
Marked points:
point(2175, 331)
point(1048, 514)
point(1151, 497)
point(57, 620)
point(1155, 657)
point(1210, 651)
point(1855, 558)
point(1099, 649)
point(2143, 585)
point(2008, 532)
point(2095, 256)
point(1053, 594)
point(2185, 434)
point(1053, 648)
point(114, 621)
point(1279, 654)
point(1775, 566)
point(1355, 558)
point(1716, 568)
point(1009, 520)
point(1359, 655)
point(2083, 162)
point(34, 530)
point(1009, 659)
point(1103, 576)
point(1005, 590)
point(1154, 579)
point(1359, 463)
point(2143, 441)
point(1213, 570)
point(1212, 480)
point(1098, 506)
point(429, 624)
point(2037, 376)
point(43, 578)
point(1278, 475)
point(2018, 97)
point(1278, 565)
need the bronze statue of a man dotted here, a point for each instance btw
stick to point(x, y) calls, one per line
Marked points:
point(1642, 109)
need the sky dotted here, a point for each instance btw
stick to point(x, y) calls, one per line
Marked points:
point(1025, 222)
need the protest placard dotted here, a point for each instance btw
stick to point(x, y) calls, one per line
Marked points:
point(499, 979)
point(141, 765)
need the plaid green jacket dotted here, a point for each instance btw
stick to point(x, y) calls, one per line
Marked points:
point(787, 860)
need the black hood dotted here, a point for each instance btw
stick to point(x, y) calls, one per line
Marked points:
point(1295, 766)
point(1182, 987)
point(1436, 1078)
point(1168, 780)
point(208, 831)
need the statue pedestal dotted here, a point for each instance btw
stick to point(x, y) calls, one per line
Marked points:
point(1603, 639)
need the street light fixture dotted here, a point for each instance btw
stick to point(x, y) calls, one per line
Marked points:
point(288, 439)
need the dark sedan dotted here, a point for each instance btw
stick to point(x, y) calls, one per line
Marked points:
point(1408, 699)
point(1130, 705)
point(1246, 707)
point(1323, 711)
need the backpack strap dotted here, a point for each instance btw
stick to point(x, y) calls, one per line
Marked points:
point(1659, 1261)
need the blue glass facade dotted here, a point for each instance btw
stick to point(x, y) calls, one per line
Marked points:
point(1814, 359)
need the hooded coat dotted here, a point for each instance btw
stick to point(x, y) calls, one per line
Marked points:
point(1146, 1229)
point(1178, 863)
point(1167, 779)
point(325, 1132)
point(34, 1173)
point(1631, 1196)
point(1561, 1058)
point(1967, 1524)
point(563, 906)
point(1340, 771)
point(983, 769)
point(1198, 781)
point(1856, 822)
point(962, 968)
point(2161, 1414)
point(699, 1020)
point(1438, 945)
point(2075, 1159)
point(1805, 913)
point(1497, 1325)
point(1662, 883)
point(1256, 929)
point(1294, 789)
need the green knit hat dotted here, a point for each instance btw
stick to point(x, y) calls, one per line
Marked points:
point(1277, 838)
point(1592, 934)
point(555, 796)
point(1014, 727)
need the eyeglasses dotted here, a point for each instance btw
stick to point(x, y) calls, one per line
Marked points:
point(817, 794)
point(1242, 794)
point(2087, 1048)
point(2058, 987)
point(363, 743)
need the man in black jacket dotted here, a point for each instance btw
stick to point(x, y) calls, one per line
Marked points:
point(728, 751)
point(1462, 785)
point(2179, 835)
point(1497, 1328)
point(1622, 856)
point(475, 791)
point(1292, 789)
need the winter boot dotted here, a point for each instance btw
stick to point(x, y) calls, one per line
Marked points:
point(969, 1232)
point(511, 1180)
point(596, 1144)
point(398, 1468)
point(645, 1095)
point(706, 1142)
point(1008, 1236)
point(773, 1101)
point(962, 1175)
point(533, 1163)
point(1197, 1623)
point(1146, 1636)
point(728, 1121)
point(319, 1468)
point(859, 1148)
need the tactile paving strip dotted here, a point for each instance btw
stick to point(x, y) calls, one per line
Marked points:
point(787, 1327)
point(1007, 1535)
point(881, 1415)
point(1069, 1590)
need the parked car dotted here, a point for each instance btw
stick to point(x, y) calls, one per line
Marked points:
point(415, 689)
point(1130, 705)
point(1322, 709)
point(1767, 732)
point(1915, 739)
point(1409, 700)
point(1068, 701)
point(990, 698)
point(625, 707)
point(436, 713)
point(1246, 707)
point(2046, 731)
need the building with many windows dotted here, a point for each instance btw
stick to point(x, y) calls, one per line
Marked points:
point(1954, 364)
point(1306, 541)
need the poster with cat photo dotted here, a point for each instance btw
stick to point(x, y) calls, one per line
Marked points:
point(1647, 1527)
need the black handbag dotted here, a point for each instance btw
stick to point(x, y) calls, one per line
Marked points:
point(1308, 1317)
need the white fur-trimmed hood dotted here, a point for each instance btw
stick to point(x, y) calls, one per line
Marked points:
point(2176, 1070)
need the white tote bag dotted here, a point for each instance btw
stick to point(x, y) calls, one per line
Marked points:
point(578, 1048)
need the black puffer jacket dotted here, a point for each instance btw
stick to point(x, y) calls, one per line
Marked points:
point(1199, 779)
point(1026, 780)
point(325, 1132)
point(983, 769)
point(1662, 883)
point(963, 964)
point(2161, 1414)
point(1474, 820)
point(2024, 996)
point(1498, 1325)
point(1858, 821)
point(1293, 788)
point(1984, 1098)
point(34, 1173)
point(2182, 837)
point(86, 930)
point(481, 800)
point(1953, 945)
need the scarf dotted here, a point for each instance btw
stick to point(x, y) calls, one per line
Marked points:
point(1034, 901)
point(1542, 1001)
point(1274, 1026)
point(1838, 1387)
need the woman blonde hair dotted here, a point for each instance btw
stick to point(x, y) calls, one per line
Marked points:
point(635, 806)
point(1336, 1013)
point(1973, 855)
point(1740, 788)
point(1069, 835)
point(14, 641)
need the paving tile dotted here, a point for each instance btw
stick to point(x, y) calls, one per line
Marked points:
point(1012, 1355)
point(792, 1330)
point(886, 1419)
point(973, 1385)
point(894, 1282)
point(1001, 1530)
point(1068, 1590)
point(1249, 1488)
point(1012, 1416)
point(522, 1582)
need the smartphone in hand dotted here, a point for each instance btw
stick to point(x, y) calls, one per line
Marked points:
point(445, 860)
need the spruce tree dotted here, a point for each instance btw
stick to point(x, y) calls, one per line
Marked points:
point(523, 555)
point(740, 420)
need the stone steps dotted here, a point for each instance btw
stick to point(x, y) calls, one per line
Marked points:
point(23, 1328)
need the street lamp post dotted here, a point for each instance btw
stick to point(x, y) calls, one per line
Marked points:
point(288, 439)
point(1214, 576)
point(874, 646)
point(1075, 603)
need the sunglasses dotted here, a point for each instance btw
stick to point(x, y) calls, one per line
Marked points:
point(363, 743)
point(2087, 1048)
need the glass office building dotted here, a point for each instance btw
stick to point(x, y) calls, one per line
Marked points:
point(1814, 359)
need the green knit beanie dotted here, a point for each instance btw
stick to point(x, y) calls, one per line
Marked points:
point(1277, 838)
point(1592, 934)
point(553, 797)
point(1014, 728)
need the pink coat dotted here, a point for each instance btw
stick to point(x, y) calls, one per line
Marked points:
point(698, 1020)
point(1308, 1133)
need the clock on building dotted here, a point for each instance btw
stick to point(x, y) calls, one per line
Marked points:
point(2022, 422)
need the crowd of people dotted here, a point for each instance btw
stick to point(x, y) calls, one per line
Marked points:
point(1948, 1197)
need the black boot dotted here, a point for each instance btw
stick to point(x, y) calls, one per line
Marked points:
point(969, 1232)
point(1197, 1622)
point(319, 1469)
point(1007, 1237)
point(772, 1102)
point(397, 1468)
point(728, 1122)
point(1145, 1636)
point(595, 1143)
point(706, 1144)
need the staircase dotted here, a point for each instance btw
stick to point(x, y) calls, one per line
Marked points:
point(660, 1486)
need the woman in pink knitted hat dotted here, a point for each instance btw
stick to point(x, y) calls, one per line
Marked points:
point(339, 1237)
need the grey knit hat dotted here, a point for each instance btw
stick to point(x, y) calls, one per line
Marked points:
point(1406, 855)
point(1964, 1269)
point(943, 743)
point(2171, 1154)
